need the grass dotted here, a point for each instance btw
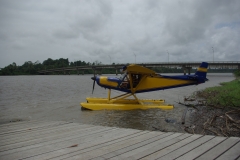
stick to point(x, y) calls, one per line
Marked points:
point(237, 74)
point(226, 95)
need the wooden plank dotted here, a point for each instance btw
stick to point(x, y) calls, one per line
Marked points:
point(219, 149)
point(36, 132)
point(82, 153)
point(232, 153)
point(19, 125)
point(113, 147)
point(202, 148)
point(43, 138)
point(147, 146)
point(52, 140)
point(87, 133)
point(159, 146)
point(26, 128)
point(31, 152)
point(132, 147)
point(19, 139)
point(177, 153)
point(104, 138)
point(171, 148)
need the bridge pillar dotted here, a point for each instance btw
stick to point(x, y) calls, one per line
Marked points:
point(96, 72)
point(187, 69)
point(116, 71)
point(184, 69)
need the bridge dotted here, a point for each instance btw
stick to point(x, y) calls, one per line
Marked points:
point(185, 66)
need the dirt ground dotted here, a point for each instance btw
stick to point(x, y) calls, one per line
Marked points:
point(209, 120)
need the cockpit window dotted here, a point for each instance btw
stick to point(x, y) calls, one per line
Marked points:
point(125, 81)
point(121, 77)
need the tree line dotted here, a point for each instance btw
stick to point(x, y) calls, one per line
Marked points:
point(30, 68)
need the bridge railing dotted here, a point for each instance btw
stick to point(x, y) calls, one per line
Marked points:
point(199, 62)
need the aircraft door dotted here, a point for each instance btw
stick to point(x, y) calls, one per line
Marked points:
point(135, 79)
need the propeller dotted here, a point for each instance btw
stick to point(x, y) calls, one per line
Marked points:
point(94, 80)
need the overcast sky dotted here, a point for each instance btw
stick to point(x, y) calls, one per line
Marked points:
point(117, 30)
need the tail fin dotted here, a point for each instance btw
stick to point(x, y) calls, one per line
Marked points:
point(202, 71)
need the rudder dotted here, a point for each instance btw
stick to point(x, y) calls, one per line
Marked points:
point(202, 71)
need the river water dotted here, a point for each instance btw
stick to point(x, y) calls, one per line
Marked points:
point(57, 97)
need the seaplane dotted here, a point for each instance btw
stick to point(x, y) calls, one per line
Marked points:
point(138, 79)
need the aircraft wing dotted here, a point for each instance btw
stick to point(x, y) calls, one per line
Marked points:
point(133, 68)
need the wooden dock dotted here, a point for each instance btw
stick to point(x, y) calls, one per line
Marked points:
point(66, 140)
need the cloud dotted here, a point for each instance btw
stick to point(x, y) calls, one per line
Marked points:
point(107, 30)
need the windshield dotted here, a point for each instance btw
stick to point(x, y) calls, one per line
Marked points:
point(123, 76)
